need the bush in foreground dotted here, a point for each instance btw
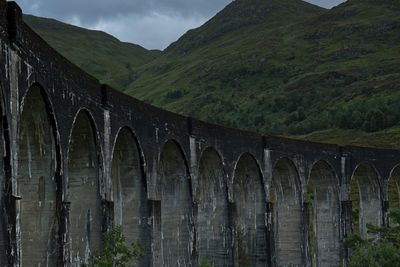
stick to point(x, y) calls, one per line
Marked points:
point(381, 251)
point(115, 252)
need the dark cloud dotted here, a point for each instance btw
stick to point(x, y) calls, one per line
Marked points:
point(150, 23)
point(90, 11)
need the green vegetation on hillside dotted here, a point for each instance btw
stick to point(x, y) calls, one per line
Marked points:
point(100, 54)
point(281, 67)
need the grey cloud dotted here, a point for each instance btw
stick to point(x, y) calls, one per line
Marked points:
point(153, 31)
point(150, 23)
point(326, 3)
point(90, 11)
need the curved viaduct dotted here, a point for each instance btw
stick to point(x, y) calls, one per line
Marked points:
point(80, 157)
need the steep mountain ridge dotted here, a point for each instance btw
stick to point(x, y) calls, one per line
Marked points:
point(240, 14)
point(308, 73)
point(283, 67)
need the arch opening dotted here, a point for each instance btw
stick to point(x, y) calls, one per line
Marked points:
point(176, 207)
point(213, 219)
point(36, 183)
point(287, 214)
point(131, 211)
point(250, 208)
point(394, 190)
point(366, 199)
point(324, 216)
point(86, 216)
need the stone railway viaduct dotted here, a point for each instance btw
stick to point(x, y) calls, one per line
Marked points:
point(79, 157)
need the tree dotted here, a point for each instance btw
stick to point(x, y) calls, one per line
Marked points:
point(381, 251)
point(115, 252)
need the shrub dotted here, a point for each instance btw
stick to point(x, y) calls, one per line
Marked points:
point(205, 263)
point(115, 252)
point(383, 250)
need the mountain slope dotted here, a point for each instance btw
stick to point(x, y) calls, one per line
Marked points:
point(278, 67)
point(99, 53)
point(293, 71)
point(241, 14)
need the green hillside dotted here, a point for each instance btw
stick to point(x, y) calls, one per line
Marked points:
point(276, 66)
point(102, 55)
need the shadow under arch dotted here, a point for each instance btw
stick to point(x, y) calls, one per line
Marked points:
point(287, 214)
point(324, 215)
point(366, 197)
point(131, 210)
point(38, 179)
point(250, 208)
point(176, 206)
point(393, 190)
point(214, 223)
point(84, 172)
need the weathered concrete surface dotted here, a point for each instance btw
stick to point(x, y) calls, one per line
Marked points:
point(176, 208)
point(83, 173)
point(370, 201)
point(250, 209)
point(326, 215)
point(181, 199)
point(4, 246)
point(36, 184)
point(394, 189)
point(214, 232)
point(288, 234)
point(131, 209)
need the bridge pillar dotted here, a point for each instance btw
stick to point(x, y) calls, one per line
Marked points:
point(267, 170)
point(346, 222)
point(156, 243)
point(346, 205)
point(194, 170)
point(269, 223)
point(107, 147)
point(64, 233)
point(385, 180)
point(14, 63)
point(302, 172)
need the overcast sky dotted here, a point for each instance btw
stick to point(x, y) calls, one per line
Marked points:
point(153, 24)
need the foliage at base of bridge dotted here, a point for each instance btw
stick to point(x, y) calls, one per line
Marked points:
point(383, 250)
point(205, 263)
point(115, 252)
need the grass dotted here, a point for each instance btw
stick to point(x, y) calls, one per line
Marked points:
point(98, 53)
point(389, 138)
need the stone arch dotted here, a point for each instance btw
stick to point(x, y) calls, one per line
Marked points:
point(176, 206)
point(324, 215)
point(366, 198)
point(131, 210)
point(394, 189)
point(287, 214)
point(213, 217)
point(38, 175)
point(85, 216)
point(250, 208)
